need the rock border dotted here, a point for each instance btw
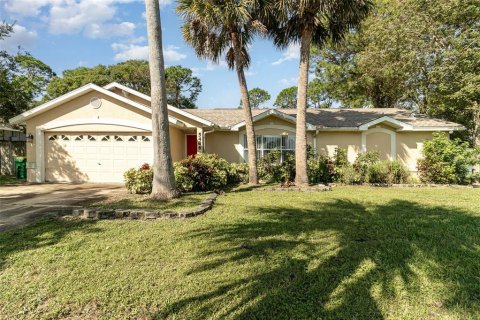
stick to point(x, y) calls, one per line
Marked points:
point(135, 214)
point(420, 185)
point(316, 188)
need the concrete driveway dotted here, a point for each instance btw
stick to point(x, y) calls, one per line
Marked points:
point(23, 204)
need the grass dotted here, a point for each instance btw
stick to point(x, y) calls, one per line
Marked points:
point(143, 202)
point(7, 180)
point(353, 253)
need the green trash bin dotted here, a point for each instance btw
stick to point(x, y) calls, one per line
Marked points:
point(21, 167)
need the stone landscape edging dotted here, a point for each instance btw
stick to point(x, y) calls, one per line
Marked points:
point(136, 214)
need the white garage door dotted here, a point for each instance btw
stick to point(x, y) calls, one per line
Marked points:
point(93, 157)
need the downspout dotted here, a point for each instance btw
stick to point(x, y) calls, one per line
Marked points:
point(205, 138)
point(315, 143)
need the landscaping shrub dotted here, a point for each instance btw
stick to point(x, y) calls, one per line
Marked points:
point(340, 157)
point(139, 180)
point(445, 160)
point(387, 172)
point(271, 169)
point(377, 172)
point(347, 175)
point(321, 169)
point(398, 173)
point(204, 172)
point(363, 162)
point(239, 172)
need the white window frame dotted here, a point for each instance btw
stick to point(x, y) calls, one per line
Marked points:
point(261, 146)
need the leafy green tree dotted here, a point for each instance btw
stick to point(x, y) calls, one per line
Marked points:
point(225, 28)
point(410, 54)
point(131, 73)
point(182, 87)
point(257, 97)
point(316, 95)
point(287, 98)
point(23, 78)
point(75, 78)
point(310, 22)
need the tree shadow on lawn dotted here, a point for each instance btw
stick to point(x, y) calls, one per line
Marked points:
point(335, 260)
point(47, 232)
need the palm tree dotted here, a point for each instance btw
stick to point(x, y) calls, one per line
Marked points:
point(163, 177)
point(225, 27)
point(309, 22)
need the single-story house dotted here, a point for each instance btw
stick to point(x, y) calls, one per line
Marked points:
point(96, 133)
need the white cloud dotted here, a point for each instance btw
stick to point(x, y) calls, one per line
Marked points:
point(293, 81)
point(210, 66)
point(291, 53)
point(171, 54)
point(28, 8)
point(20, 37)
point(93, 18)
point(128, 51)
point(109, 30)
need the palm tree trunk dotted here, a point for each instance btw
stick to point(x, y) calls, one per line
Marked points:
point(301, 177)
point(476, 124)
point(247, 112)
point(163, 176)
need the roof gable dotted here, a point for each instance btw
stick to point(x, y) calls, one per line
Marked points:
point(113, 85)
point(268, 113)
point(70, 96)
point(386, 120)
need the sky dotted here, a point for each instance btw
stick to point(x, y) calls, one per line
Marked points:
point(66, 34)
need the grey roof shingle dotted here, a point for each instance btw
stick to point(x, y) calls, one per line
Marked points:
point(328, 118)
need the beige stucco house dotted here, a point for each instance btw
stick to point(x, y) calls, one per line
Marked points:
point(96, 133)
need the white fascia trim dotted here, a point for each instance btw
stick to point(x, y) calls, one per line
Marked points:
point(337, 129)
point(127, 89)
point(105, 121)
point(387, 119)
point(267, 113)
point(459, 128)
point(71, 95)
point(50, 104)
point(171, 108)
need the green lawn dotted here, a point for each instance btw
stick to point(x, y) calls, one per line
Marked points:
point(143, 202)
point(353, 253)
point(5, 180)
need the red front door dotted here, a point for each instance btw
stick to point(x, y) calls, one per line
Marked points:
point(191, 144)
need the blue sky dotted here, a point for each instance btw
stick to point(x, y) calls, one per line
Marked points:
point(66, 34)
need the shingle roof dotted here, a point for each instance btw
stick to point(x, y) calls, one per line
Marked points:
point(328, 118)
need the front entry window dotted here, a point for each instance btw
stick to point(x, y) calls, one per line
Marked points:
point(268, 143)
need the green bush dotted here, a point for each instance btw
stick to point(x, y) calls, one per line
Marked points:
point(320, 169)
point(445, 160)
point(340, 157)
point(387, 172)
point(271, 169)
point(347, 175)
point(398, 173)
point(239, 172)
point(377, 172)
point(139, 180)
point(363, 162)
point(204, 172)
